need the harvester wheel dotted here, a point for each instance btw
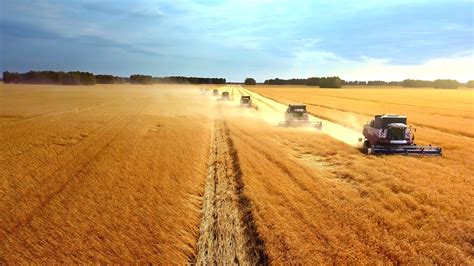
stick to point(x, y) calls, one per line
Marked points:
point(370, 151)
point(367, 148)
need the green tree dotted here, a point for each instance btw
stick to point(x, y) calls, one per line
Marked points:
point(250, 81)
point(469, 84)
point(446, 84)
point(330, 82)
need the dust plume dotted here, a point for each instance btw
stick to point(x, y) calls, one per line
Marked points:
point(272, 112)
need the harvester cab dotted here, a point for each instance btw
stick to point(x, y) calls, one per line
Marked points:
point(297, 115)
point(389, 134)
point(225, 96)
point(215, 92)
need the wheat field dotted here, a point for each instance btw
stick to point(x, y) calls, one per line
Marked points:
point(321, 200)
point(164, 174)
point(106, 173)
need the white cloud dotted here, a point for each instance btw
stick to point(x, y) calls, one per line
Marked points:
point(457, 27)
point(307, 63)
point(307, 43)
point(268, 38)
point(459, 68)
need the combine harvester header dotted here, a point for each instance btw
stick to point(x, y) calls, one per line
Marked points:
point(389, 134)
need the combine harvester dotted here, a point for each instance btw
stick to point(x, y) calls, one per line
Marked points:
point(297, 115)
point(215, 92)
point(246, 101)
point(225, 96)
point(389, 134)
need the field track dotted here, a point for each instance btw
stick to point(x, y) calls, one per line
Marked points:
point(227, 234)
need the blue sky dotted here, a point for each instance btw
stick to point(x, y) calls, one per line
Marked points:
point(388, 40)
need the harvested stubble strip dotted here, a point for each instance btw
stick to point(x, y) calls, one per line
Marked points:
point(227, 233)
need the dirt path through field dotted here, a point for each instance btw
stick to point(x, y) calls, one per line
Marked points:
point(227, 232)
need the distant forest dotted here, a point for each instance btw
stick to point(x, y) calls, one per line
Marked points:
point(87, 78)
point(336, 82)
point(143, 79)
point(324, 82)
point(414, 83)
point(61, 78)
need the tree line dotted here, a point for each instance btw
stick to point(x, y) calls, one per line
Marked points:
point(61, 78)
point(322, 82)
point(372, 83)
point(415, 83)
point(336, 82)
point(439, 83)
point(87, 78)
point(146, 79)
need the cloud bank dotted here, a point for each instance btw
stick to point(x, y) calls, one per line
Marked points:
point(389, 40)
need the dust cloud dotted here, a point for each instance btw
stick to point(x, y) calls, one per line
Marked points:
point(272, 112)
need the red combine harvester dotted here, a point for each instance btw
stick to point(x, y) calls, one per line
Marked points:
point(389, 134)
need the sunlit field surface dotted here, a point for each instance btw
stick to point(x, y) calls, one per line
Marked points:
point(446, 110)
point(321, 200)
point(168, 174)
point(105, 173)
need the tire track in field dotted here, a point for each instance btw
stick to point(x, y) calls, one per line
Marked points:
point(393, 103)
point(417, 124)
point(70, 170)
point(228, 234)
point(278, 162)
point(14, 123)
point(24, 152)
point(281, 164)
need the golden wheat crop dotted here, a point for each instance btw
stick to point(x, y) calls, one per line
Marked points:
point(316, 199)
point(108, 174)
point(127, 174)
point(443, 109)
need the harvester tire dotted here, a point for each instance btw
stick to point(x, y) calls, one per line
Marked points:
point(370, 151)
point(366, 148)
